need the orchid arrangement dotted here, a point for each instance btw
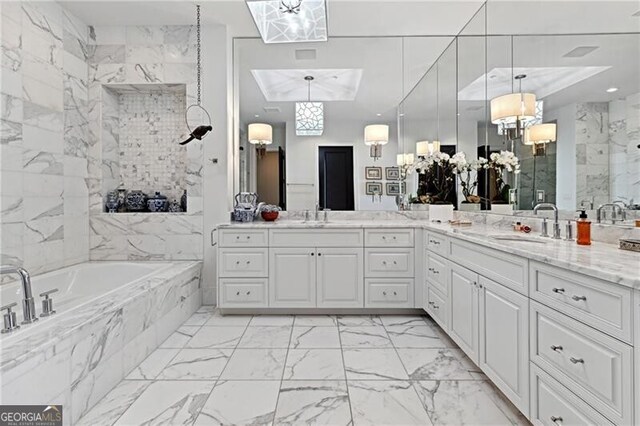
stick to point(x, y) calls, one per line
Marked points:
point(440, 170)
point(468, 174)
point(501, 162)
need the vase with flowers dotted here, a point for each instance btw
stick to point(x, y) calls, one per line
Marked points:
point(439, 170)
point(502, 163)
point(467, 172)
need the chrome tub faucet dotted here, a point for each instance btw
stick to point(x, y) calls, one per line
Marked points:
point(28, 304)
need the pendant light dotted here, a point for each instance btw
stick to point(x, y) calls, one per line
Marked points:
point(309, 115)
point(201, 130)
point(512, 111)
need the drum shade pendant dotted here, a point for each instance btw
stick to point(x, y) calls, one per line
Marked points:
point(512, 111)
point(202, 129)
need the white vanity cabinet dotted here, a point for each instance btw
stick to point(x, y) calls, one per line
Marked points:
point(463, 305)
point(292, 281)
point(339, 277)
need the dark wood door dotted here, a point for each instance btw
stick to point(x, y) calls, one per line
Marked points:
point(283, 178)
point(336, 177)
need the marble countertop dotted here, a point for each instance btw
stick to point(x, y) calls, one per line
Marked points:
point(600, 260)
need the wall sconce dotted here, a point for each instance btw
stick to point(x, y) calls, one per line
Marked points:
point(426, 148)
point(261, 135)
point(375, 136)
point(540, 135)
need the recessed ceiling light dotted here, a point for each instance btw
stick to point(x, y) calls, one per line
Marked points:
point(401, 114)
point(257, 116)
point(612, 89)
point(379, 115)
point(580, 51)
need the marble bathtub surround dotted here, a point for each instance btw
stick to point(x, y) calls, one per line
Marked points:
point(87, 351)
point(290, 385)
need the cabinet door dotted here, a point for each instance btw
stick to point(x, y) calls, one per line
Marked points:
point(340, 282)
point(504, 339)
point(464, 310)
point(292, 277)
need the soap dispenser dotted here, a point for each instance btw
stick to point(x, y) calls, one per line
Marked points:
point(584, 229)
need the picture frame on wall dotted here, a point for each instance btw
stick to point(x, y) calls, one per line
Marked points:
point(393, 188)
point(392, 173)
point(373, 188)
point(373, 173)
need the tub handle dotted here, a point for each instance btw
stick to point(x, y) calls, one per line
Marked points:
point(47, 303)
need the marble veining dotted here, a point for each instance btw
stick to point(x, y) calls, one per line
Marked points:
point(291, 386)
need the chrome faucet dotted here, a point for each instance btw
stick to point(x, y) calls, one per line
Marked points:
point(623, 209)
point(613, 206)
point(317, 214)
point(556, 224)
point(28, 304)
point(589, 202)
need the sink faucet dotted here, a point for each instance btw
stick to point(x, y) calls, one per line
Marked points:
point(623, 209)
point(28, 304)
point(613, 212)
point(556, 224)
point(317, 214)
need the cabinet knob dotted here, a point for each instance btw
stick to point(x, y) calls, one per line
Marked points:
point(319, 254)
point(238, 294)
point(558, 290)
point(384, 237)
point(237, 262)
point(395, 294)
point(384, 262)
point(576, 360)
point(238, 237)
point(394, 238)
point(248, 262)
point(248, 237)
point(431, 269)
point(578, 298)
point(312, 254)
point(249, 292)
point(436, 272)
point(556, 419)
point(384, 293)
point(395, 263)
point(436, 306)
point(556, 348)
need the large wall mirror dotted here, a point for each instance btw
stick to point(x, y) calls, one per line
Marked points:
point(578, 146)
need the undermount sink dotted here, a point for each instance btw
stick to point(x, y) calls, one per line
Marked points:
point(519, 238)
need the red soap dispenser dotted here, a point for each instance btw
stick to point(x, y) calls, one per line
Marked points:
point(584, 230)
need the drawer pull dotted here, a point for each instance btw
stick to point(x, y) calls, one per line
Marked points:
point(319, 254)
point(312, 254)
point(238, 293)
point(248, 262)
point(578, 298)
point(576, 360)
point(431, 269)
point(435, 306)
point(394, 238)
point(395, 294)
point(558, 290)
point(556, 419)
point(248, 237)
point(436, 272)
point(395, 263)
point(237, 262)
point(248, 293)
point(384, 237)
point(556, 348)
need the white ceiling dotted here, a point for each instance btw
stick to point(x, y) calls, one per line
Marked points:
point(289, 85)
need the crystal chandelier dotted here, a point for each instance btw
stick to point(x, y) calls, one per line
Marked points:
point(309, 115)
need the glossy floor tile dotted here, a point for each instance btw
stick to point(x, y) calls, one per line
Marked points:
point(307, 369)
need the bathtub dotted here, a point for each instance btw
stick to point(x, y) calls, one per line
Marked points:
point(77, 285)
point(109, 317)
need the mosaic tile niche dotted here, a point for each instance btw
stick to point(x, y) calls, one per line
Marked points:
point(141, 126)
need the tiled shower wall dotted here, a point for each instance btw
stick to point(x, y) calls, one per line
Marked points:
point(44, 145)
point(624, 127)
point(592, 152)
point(137, 56)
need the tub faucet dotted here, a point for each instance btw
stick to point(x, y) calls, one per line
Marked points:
point(556, 224)
point(28, 304)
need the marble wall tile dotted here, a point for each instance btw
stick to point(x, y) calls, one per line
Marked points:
point(107, 54)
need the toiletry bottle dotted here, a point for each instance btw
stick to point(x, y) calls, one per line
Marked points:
point(584, 229)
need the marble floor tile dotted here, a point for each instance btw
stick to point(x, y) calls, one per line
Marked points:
point(114, 404)
point(272, 320)
point(314, 364)
point(255, 364)
point(389, 402)
point(196, 364)
point(266, 337)
point(415, 336)
point(240, 403)
point(513, 414)
point(364, 337)
point(207, 309)
point(153, 364)
point(373, 364)
point(450, 402)
point(313, 402)
point(314, 337)
point(316, 320)
point(180, 337)
point(198, 318)
point(359, 320)
point(168, 402)
point(434, 364)
point(216, 337)
point(403, 320)
point(228, 320)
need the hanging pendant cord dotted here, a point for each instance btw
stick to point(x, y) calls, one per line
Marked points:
point(309, 91)
point(198, 52)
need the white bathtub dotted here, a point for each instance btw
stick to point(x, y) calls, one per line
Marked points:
point(80, 283)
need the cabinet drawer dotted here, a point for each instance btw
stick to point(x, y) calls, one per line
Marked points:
point(603, 305)
point(243, 262)
point(438, 307)
point(389, 263)
point(316, 238)
point(243, 238)
point(243, 292)
point(397, 237)
point(437, 243)
point(552, 404)
point(590, 363)
point(389, 293)
point(438, 272)
point(504, 268)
